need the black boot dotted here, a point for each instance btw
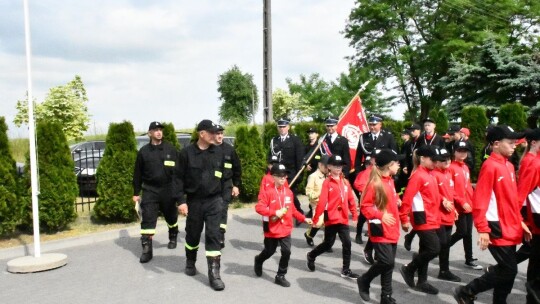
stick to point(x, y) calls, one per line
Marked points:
point(222, 237)
point(173, 235)
point(387, 299)
point(146, 256)
point(191, 258)
point(214, 264)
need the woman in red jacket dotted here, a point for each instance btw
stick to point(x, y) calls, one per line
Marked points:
point(335, 203)
point(421, 201)
point(276, 203)
point(380, 207)
point(448, 212)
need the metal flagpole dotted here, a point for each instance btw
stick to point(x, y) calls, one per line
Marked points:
point(37, 262)
point(362, 88)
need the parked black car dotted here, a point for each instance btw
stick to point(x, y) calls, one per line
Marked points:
point(85, 169)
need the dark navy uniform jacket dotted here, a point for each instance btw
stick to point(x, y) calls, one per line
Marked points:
point(366, 145)
point(340, 147)
point(290, 152)
point(154, 168)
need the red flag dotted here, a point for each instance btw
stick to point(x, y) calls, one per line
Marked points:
point(352, 125)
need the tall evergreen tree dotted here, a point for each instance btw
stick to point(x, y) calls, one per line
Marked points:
point(10, 207)
point(251, 153)
point(169, 135)
point(474, 118)
point(513, 115)
point(115, 175)
point(238, 94)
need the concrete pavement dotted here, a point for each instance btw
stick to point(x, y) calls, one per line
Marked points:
point(105, 268)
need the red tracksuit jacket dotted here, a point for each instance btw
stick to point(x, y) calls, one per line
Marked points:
point(495, 204)
point(423, 199)
point(446, 190)
point(529, 192)
point(273, 199)
point(463, 190)
point(268, 182)
point(362, 178)
point(374, 215)
point(337, 199)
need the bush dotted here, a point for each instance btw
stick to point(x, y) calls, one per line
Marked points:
point(253, 160)
point(474, 118)
point(10, 207)
point(57, 183)
point(513, 115)
point(115, 175)
point(441, 119)
point(169, 135)
point(395, 127)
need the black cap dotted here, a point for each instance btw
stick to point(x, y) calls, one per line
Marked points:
point(385, 156)
point(426, 150)
point(278, 170)
point(461, 145)
point(273, 159)
point(414, 127)
point(336, 160)
point(428, 119)
point(442, 155)
point(155, 125)
point(312, 130)
point(406, 131)
point(453, 129)
point(207, 125)
point(374, 119)
point(324, 159)
point(331, 120)
point(533, 134)
point(283, 122)
point(501, 132)
point(220, 128)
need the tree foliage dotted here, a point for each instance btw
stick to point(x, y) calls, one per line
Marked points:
point(474, 118)
point(115, 175)
point(513, 115)
point(169, 134)
point(238, 95)
point(410, 43)
point(289, 105)
point(10, 207)
point(57, 183)
point(250, 150)
point(65, 105)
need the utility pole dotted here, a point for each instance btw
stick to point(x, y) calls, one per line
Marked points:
point(267, 59)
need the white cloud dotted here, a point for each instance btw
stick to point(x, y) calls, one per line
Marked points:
point(160, 60)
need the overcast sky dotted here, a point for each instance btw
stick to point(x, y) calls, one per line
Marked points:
point(160, 60)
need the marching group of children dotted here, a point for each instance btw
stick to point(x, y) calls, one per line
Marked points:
point(438, 196)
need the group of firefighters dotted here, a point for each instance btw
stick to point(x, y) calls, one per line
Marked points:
point(201, 179)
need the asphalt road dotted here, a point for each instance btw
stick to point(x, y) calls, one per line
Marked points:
point(104, 268)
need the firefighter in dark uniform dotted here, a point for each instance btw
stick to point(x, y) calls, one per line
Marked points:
point(376, 138)
point(312, 145)
point(429, 137)
point(408, 148)
point(155, 175)
point(337, 144)
point(232, 176)
point(290, 152)
point(200, 183)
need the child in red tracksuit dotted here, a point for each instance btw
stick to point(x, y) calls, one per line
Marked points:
point(529, 192)
point(276, 203)
point(497, 218)
point(380, 207)
point(463, 194)
point(448, 212)
point(421, 201)
point(335, 202)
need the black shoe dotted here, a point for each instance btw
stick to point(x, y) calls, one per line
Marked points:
point(330, 250)
point(349, 274)
point(387, 299)
point(147, 251)
point(427, 288)
point(407, 276)
point(358, 239)
point(280, 280)
point(489, 269)
point(473, 265)
point(190, 270)
point(474, 259)
point(173, 235)
point(448, 276)
point(257, 267)
point(462, 296)
point(309, 240)
point(408, 242)
point(368, 257)
point(310, 262)
point(363, 289)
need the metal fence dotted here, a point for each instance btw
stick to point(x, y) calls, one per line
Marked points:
point(86, 163)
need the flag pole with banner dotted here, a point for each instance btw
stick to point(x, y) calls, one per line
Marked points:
point(351, 124)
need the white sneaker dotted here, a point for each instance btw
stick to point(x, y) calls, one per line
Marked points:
point(473, 265)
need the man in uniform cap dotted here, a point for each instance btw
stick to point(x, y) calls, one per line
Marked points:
point(313, 137)
point(376, 138)
point(429, 137)
point(290, 152)
point(335, 144)
point(154, 174)
point(408, 148)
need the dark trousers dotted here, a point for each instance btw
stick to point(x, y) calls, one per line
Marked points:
point(270, 245)
point(444, 233)
point(430, 247)
point(330, 232)
point(361, 221)
point(533, 270)
point(227, 198)
point(384, 266)
point(151, 204)
point(205, 213)
point(523, 253)
point(464, 228)
point(501, 276)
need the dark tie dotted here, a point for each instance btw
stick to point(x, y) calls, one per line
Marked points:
point(374, 137)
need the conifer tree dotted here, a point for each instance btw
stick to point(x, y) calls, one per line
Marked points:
point(10, 207)
point(169, 135)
